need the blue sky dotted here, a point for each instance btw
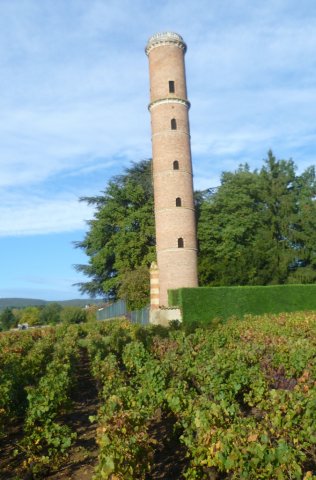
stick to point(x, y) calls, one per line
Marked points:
point(73, 110)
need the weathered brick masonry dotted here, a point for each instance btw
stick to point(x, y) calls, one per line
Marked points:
point(172, 166)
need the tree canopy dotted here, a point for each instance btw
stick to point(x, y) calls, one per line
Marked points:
point(257, 228)
point(7, 319)
point(121, 236)
point(50, 314)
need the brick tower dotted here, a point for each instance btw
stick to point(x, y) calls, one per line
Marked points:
point(176, 244)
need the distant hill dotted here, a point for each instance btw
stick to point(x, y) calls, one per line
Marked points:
point(35, 302)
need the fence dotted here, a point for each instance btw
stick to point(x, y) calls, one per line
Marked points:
point(140, 316)
point(119, 309)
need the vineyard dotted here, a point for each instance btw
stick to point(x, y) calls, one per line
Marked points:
point(234, 402)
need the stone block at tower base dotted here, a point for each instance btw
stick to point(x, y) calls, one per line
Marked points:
point(163, 316)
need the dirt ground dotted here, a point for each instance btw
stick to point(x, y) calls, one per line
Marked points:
point(170, 455)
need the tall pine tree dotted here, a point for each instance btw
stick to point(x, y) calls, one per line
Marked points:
point(121, 236)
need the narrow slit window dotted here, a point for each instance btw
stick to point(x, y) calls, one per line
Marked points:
point(176, 165)
point(171, 86)
point(178, 202)
point(180, 242)
point(173, 124)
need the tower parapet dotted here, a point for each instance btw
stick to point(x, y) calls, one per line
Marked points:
point(176, 243)
point(165, 38)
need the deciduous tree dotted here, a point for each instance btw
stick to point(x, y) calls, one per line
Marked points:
point(259, 228)
point(51, 313)
point(30, 315)
point(73, 315)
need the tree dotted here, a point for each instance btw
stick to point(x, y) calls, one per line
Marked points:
point(259, 228)
point(227, 226)
point(73, 315)
point(51, 313)
point(30, 315)
point(304, 265)
point(7, 319)
point(134, 287)
point(275, 248)
point(121, 236)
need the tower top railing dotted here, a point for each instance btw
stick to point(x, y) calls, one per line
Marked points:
point(165, 38)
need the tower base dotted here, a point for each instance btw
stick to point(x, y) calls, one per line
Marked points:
point(163, 316)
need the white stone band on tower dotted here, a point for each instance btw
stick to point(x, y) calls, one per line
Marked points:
point(176, 243)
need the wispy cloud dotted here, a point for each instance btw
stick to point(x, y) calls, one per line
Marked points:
point(35, 215)
point(74, 83)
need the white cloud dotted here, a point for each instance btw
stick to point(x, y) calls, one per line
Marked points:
point(74, 83)
point(34, 215)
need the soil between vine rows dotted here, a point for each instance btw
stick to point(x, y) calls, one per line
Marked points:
point(170, 455)
point(83, 455)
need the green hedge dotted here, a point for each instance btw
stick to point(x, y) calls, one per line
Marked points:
point(206, 305)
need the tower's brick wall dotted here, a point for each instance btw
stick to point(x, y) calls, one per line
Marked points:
point(161, 115)
point(182, 274)
point(161, 71)
point(173, 186)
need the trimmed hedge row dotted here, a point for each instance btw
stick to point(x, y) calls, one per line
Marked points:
point(207, 305)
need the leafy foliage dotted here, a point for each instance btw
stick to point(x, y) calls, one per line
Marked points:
point(22, 360)
point(210, 305)
point(73, 315)
point(46, 440)
point(29, 315)
point(7, 319)
point(259, 228)
point(135, 287)
point(243, 395)
point(121, 235)
point(246, 401)
point(50, 314)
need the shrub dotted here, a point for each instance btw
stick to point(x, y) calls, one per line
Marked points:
point(73, 315)
point(51, 313)
point(208, 305)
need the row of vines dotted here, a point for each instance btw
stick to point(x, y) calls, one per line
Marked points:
point(242, 397)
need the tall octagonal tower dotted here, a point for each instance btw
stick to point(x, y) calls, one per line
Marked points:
point(176, 243)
